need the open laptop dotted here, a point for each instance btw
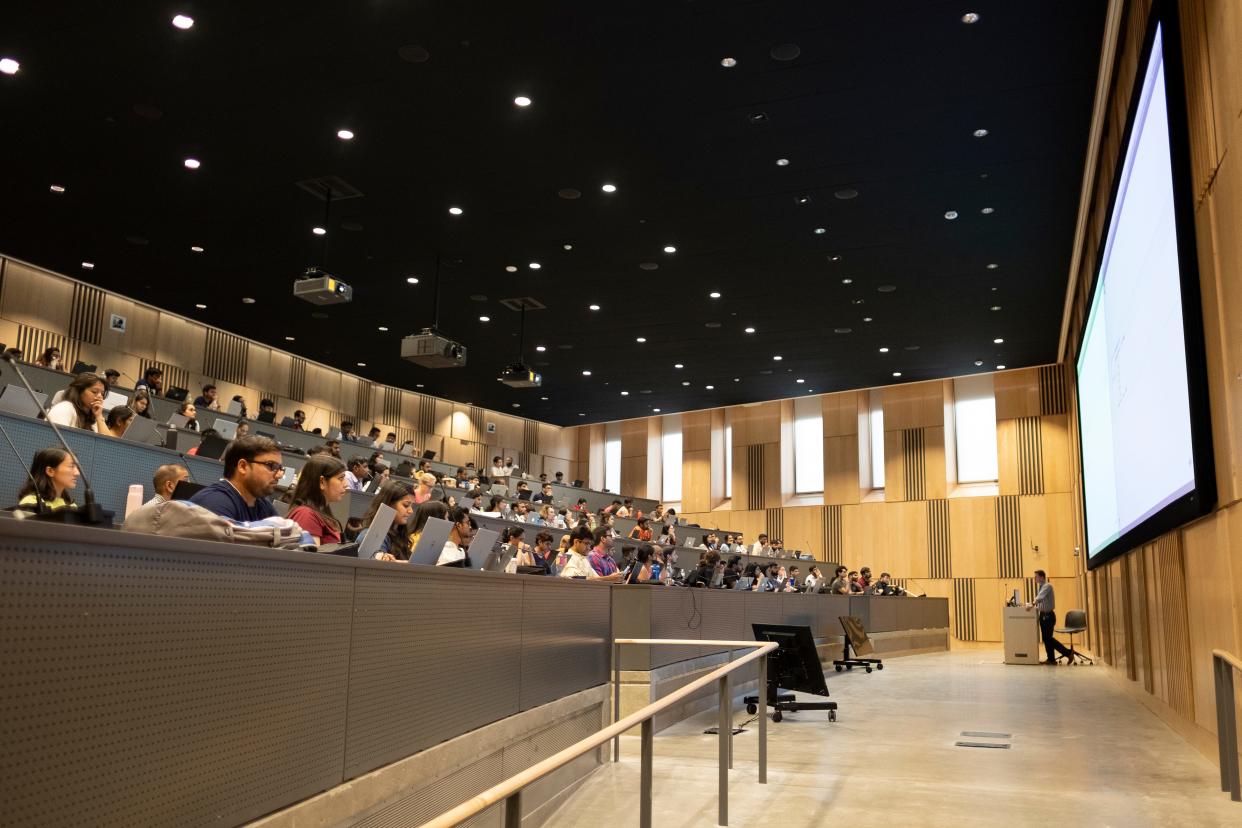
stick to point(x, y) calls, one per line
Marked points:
point(577, 484)
point(406, 448)
point(526, 495)
point(186, 490)
point(17, 400)
point(431, 542)
point(178, 421)
point(142, 430)
point(377, 531)
point(235, 408)
point(113, 400)
point(81, 367)
point(388, 446)
point(212, 447)
point(266, 417)
point(288, 422)
point(225, 428)
point(177, 394)
point(429, 455)
point(744, 583)
point(500, 489)
point(482, 545)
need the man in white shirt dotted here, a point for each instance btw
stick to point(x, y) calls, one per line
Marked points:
point(577, 564)
point(759, 546)
point(498, 468)
point(509, 467)
point(356, 473)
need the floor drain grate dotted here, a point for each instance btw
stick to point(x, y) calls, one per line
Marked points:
point(983, 734)
point(994, 745)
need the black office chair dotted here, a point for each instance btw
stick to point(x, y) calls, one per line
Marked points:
point(1075, 624)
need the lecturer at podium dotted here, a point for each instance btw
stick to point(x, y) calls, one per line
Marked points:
point(1045, 603)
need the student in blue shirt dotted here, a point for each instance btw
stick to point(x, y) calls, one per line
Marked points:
point(252, 468)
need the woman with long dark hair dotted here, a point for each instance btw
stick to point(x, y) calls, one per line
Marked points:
point(49, 359)
point(82, 406)
point(141, 403)
point(396, 544)
point(55, 473)
point(118, 420)
point(189, 410)
point(423, 513)
point(320, 483)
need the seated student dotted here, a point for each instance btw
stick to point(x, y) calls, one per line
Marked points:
point(864, 578)
point(544, 517)
point(509, 467)
point(141, 403)
point(353, 526)
point(391, 438)
point(118, 420)
point(357, 473)
point(520, 512)
point(515, 538)
point(706, 571)
point(577, 564)
point(793, 576)
point(601, 559)
point(492, 510)
point(380, 472)
point(266, 406)
point(560, 520)
point(424, 467)
point(82, 406)
point(152, 380)
point(461, 476)
point(321, 482)
point(424, 512)
point(641, 530)
point(165, 481)
point(209, 400)
point(813, 579)
point(733, 571)
point(454, 551)
point(49, 359)
point(373, 438)
point(55, 474)
point(211, 432)
point(188, 409)
point(252, 468)
point(544, 495)
point(347, 432)
point(559, 478)
point(243, 430)
point(885, 586)
point(449, 500)
point(761, 545)
point(299, 420)
point(396, 544)
point(112, 378)
point(840, 583)
point(626, 509)
point(242, 413)
point(641, 569)
point(856, 588)
point(426, 484)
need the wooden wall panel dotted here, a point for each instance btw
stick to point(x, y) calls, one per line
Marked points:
point(696, 431)
point(1057, 457)
point(1048, 522)
point(36, 298)
point(841, 469)
point(1008, 477)
point(754, 424)
point(1017, 393)
point(894, 466)
point(886, 536)
point(915, 405)
point(935, 482)
point(841, 412)
point(696, 480)
point(180, 342)
point(804, 528)
point(972, 533)
point(634, 450)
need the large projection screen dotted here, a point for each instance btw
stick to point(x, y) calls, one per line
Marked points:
point(1142, 408)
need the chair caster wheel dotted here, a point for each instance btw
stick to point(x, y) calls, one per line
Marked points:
point(879, 666)
point(832, 715)
point(849, 666)
point(776, 717)
point(868, 669)
point(838, 668)
point(750, 708)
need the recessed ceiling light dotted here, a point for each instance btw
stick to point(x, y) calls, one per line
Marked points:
point(567, 246)
point(857, 301)
point(950, 214)
point(685, 382)
point(586, 373)
point(737, 379)
point(799, 380)
point(999, 341)
point(413, 280)
point(866, 318)
point(593, 307)
point(289, 339)
point(969, 18)
point(9, 66)
point(56, 188)
point(980, 133)
point(625, 393)
point(846, 194)
point(987, 211)
point(540, 348)
point(728, 62)
point(383, 328)
point(777, 358)
point(201, 307)
point(534, 265)
point(884, 350)
point(455, 211)
point(782, 162)
point(88, 265)
point(485, 319)
point(247, 300)
point(847, 281)
point(517, 405)
point(1000, 367)
point(521, 100)
point(609, 188)
point(183, 21)
point(710, 387)
point(678, 365)
point(715, 294)
point(996, 307)
point(886, 288)
point(750, 330)
point(345, 134)
point(896, 373)
point(802, 200)
point(420, 385)
point(318, 231)
point(194, 248)
point(668, 248)
point(993, 266)
point(842, 330)
point(836, 257)
point(192, 163)
point(543, 398)
point(656, 410)
point(819, 231)
point(362, 365)
point(978, 362)
point(640, 339)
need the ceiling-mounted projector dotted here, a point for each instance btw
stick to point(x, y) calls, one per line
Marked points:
point(518, 375)
point(320, 288)
point(431, 350)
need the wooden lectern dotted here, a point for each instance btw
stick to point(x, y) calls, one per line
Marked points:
point(1022, 642)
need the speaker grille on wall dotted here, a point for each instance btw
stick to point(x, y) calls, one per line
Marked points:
point(1028, 590)
point(363, 402)
point(915, 463)
point(1052, 396)
point(86, 313)
point(478, 425)
point(775, 519)
point(530, 437)
point(297, 379)
point(225, 357)
point(34, 341)
point(1030, 456)
point(832, 534)
point(938, 546)
point(1008, 537)
point(174, 375)
point(426, 422)
point(754, 476)
point(964, 609)
point(392, 404)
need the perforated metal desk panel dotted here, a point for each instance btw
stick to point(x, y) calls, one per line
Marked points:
point(154, 681)
point(706, 614)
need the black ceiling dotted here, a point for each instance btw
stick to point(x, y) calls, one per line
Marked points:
point(882, 100)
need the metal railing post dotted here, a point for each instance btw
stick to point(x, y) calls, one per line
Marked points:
point(1231, 736)
point(616, 699)
point(763, 720)
point(644, 778)
point(726, 726)
point(513, 810)
point(1222, 741)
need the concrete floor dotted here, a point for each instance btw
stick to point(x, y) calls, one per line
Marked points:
point(1083, 753)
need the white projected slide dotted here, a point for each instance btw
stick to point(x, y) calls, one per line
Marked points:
point(1134, 403)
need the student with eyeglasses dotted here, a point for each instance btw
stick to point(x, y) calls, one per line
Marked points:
point(252, 468)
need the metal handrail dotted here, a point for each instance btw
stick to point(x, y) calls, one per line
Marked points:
point(510, 790)
point(1223, 666)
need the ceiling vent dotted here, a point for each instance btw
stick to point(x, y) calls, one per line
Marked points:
point(329, 185)
point(523, 303)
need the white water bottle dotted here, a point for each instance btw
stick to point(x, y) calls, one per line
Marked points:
point(133, 500)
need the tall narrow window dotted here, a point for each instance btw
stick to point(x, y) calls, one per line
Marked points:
point(808, 446)
point(728, 458)
point(612, 457)
point(877, 439)
point(974, 411)
point(670, 451)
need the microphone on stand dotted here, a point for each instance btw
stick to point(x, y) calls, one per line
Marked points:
point(89, 513)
